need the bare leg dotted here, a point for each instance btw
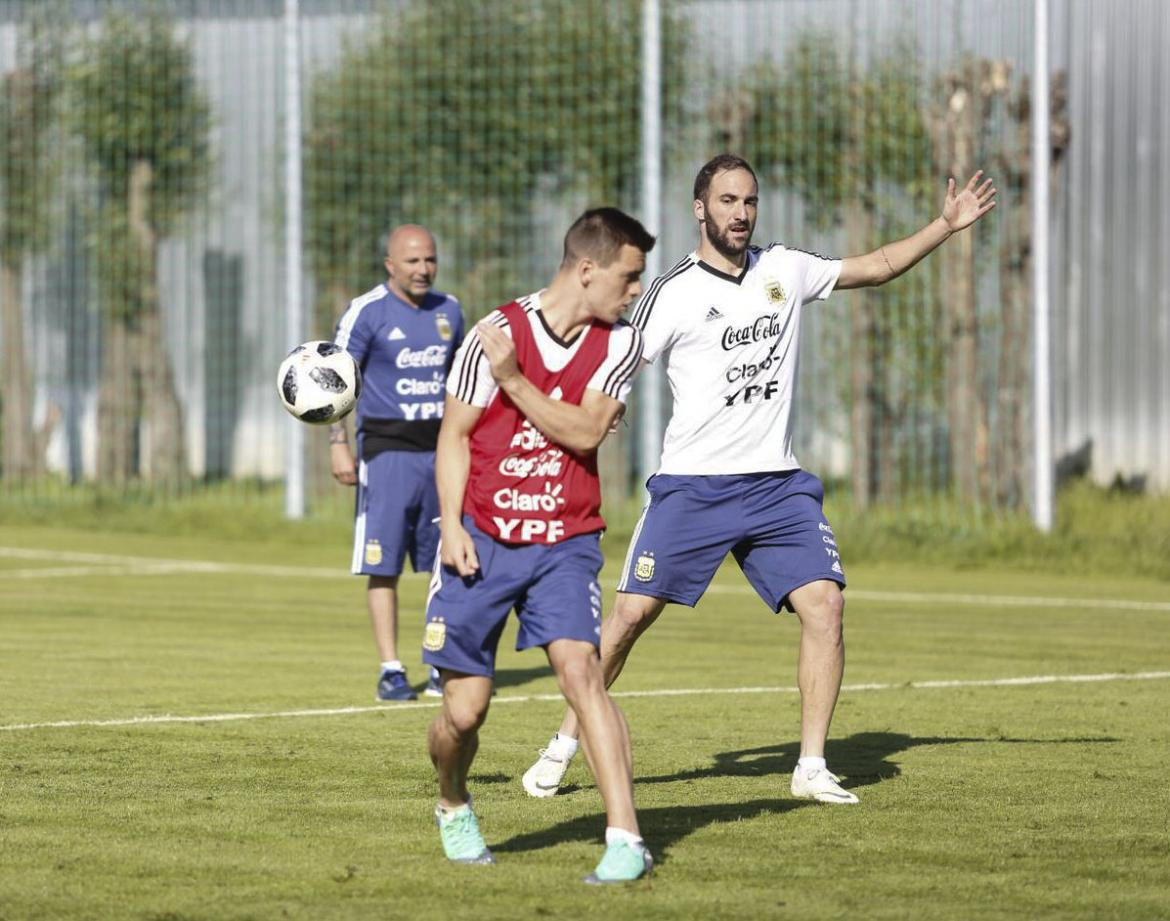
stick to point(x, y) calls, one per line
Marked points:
point(454, 735)
point(605, 737)
point(382, 600)
point(629, 619)
point(821, 609)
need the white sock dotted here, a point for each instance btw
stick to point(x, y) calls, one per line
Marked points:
point(458, 810)
point(807, 763)
point(392, 666)
point(564, 747)
point(613, 835)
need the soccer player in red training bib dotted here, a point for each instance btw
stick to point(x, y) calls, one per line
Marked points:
point(532, 393)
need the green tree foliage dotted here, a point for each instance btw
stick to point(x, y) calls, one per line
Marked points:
point(28, 97)
point(458, 116)
point(850, 140)
point(797, 126)
point(835, 134)
point(135, 87)
point(145, 126)
point(136, 103)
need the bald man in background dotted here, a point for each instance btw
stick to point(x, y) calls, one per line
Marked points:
point(403, 335)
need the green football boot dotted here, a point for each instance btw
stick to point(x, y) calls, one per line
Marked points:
point(459, 831)
point(622, 863)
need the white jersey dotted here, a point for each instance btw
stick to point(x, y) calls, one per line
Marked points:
point(470, 378)
point(730, 347)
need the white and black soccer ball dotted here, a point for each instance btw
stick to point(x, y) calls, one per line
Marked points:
point(319, 382)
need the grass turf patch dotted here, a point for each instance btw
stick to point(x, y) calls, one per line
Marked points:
point(1099, 531)
point(1005, 802)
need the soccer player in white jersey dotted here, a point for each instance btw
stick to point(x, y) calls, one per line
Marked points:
point(726, 321)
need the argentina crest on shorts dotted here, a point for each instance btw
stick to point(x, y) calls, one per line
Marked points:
point(644, 567)
point(435, 635)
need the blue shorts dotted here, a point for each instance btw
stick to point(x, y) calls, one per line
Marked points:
point(396, 514)
point(772, 522)
point(553, 588)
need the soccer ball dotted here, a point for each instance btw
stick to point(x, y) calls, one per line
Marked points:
point(319, 382)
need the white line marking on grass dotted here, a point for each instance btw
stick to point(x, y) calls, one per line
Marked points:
point(1007, 601)
point(990, 601)
point(111, 565)
point(53, 572)
point(529, 698)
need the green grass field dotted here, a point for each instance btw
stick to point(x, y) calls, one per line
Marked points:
point(978, 800)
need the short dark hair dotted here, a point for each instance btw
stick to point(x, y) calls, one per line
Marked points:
point(719, 164)
point(600, 233)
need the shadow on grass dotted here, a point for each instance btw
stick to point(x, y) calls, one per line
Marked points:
point(511, 677)
point(476, 779)
point(861, 760)
point(508, 677)
point(669, 824)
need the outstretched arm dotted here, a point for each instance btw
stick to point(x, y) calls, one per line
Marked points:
point(579, 428)
point(960, 209)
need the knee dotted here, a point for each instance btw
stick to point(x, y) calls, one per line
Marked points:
point(463, 718)
point(579, 674)
point(632, 614)
point(824, 615)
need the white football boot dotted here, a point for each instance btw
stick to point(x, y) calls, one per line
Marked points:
point(821, 785)
point(545, 776)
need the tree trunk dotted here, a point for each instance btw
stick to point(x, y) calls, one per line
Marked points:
point(1014, 435)
point(962, 338)
point(117, 404)
point(1015, 346)
point(956, 127)
point(1011, 442)
point(956, 131)
point(863, 410)
point(885, 418)
point(162, 411)
point(17, 460)
point(22, 455)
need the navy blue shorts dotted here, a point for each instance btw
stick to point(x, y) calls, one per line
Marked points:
point(397, 513)
point(553, 588)
point(773, 523)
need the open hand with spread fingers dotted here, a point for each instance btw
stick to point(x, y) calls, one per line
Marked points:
point(962, 209)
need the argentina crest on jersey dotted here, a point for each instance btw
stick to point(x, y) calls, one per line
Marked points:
point(443, 326)
point(774, 291)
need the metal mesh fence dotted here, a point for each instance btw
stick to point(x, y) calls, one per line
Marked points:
point(142, 215)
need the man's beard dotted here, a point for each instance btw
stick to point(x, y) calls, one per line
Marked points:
point(721, 240)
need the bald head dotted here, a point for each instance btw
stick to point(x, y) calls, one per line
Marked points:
point(411, 262)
